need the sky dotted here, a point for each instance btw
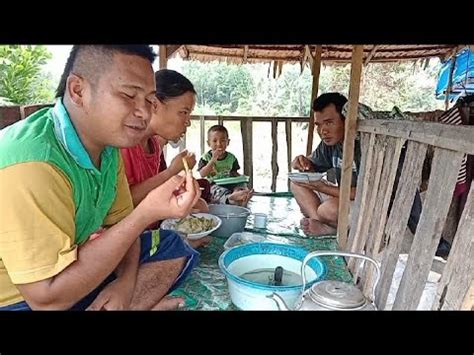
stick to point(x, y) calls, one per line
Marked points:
point(60, 54)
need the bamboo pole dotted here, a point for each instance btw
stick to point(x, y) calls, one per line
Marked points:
point(163, 57)
point(316, 70)
point(348, 149)
point(274, 154)
point(288, 147)
point(247, 135)
point(202, 135)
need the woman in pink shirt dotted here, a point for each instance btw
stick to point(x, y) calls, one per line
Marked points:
point(176, 98)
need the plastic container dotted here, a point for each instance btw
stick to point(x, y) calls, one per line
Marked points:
point(243, 238)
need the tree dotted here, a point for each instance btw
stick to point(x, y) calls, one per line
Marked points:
point(21, 78)
point(221, 87)
point(229, 89)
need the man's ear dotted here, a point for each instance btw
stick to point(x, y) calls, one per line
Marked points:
point(155, 104)
point(75, 86)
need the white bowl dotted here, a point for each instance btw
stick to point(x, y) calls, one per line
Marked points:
point(305, 177)
point(251, 295)
point(170, 224)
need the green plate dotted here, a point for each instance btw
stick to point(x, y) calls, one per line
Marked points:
point(232, 180)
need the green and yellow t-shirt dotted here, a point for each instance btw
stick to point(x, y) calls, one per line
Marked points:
point(52, 198)
point(223, 168)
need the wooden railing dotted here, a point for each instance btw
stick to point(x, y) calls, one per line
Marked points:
point(246, 128)
point(9, 115)
point(378, 230)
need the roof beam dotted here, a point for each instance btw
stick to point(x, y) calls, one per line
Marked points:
point(170, 50)
point(371, 54)
point(308, 56)
point(186, 52)
point(163, 57)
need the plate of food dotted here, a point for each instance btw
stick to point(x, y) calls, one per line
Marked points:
point(305, 177)
point(194, 226)
point(242, 179)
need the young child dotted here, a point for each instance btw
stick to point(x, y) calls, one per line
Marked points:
point(218, 163)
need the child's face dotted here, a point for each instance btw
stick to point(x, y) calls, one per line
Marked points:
point(218, 141)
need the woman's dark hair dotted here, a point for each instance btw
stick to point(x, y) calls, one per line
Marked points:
point(324, 100)
point(170, 83)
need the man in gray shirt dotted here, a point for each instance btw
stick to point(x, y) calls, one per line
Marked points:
point(319, 200)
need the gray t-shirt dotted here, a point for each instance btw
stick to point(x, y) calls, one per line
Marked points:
point(326, 157)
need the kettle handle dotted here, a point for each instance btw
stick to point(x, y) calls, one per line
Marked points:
point(341, 253)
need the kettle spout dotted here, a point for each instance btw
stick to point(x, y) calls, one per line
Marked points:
point(279, 301)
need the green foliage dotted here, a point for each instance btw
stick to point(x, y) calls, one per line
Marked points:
point(222, 88)
point(21, 78)
point(227, 89)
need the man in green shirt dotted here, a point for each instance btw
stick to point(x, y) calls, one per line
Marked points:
point(63, 183)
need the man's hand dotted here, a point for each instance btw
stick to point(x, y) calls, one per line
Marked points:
point(302, 163)
point(117, 295)
point(172, 199)
point(176, 164)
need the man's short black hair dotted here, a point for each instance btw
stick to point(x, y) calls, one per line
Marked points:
point(91, 61)
point(324, 100)
point(218, 128)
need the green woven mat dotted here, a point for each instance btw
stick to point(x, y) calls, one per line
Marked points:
point(206, 287)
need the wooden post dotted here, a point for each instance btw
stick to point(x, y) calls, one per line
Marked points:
point(288, 146)
point(163, 57)
point(456, 288)
point(246, 129)
point(348, 149)
point(203, 137)
point(443, 177)
point(274, 154)
point(316, 70)
point(399, 215)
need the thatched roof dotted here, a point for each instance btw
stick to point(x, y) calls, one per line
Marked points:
point(303, 53)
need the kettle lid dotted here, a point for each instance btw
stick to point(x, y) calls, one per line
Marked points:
point(337, 294)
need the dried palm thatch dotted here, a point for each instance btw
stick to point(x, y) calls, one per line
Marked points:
point(240, 54)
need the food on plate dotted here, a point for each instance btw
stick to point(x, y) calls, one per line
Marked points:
point(194, 225)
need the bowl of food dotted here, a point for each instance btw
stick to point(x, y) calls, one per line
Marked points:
point(194, 226)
